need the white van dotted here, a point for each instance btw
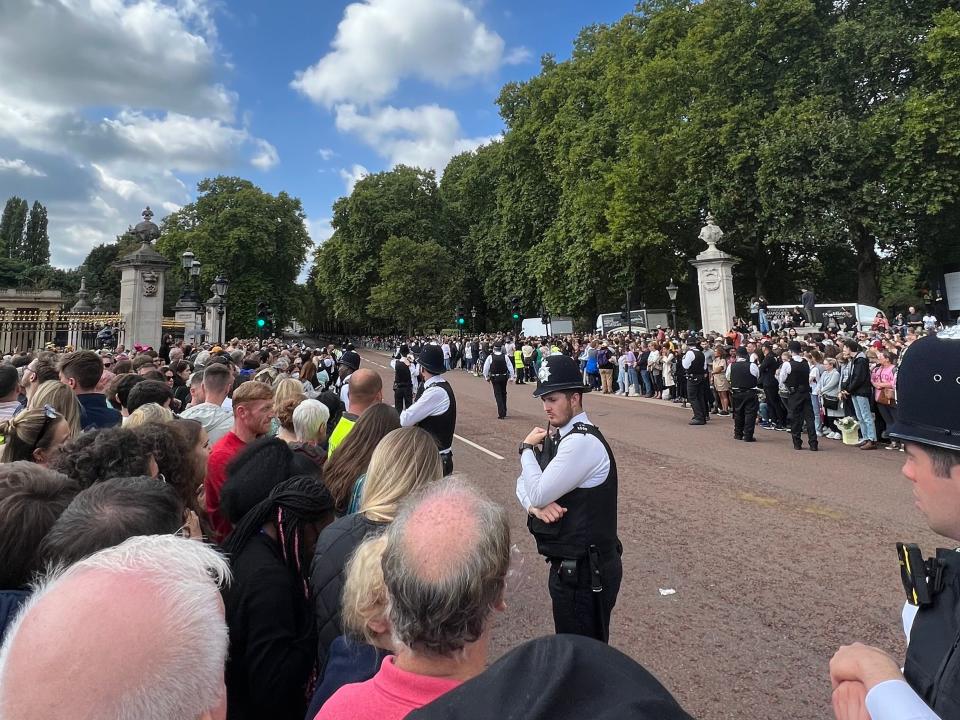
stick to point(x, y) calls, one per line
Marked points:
point(865, 314)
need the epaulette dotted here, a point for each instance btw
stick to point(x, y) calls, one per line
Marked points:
point(583, 427)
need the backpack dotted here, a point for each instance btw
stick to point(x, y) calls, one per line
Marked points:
point(603, 357)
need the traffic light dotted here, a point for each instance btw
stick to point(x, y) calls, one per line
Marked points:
point(624, 314)
point(264, 317)
point(515, 308)
point(461, 320)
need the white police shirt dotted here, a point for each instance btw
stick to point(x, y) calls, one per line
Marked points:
point(489, 361)
point(581, 462)
point(434, 401)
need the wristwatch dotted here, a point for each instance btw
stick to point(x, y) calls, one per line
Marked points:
point(526, 446)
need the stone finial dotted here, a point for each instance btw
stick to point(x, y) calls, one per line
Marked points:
point(82, 305)
point(711, 233)
point(147, 231)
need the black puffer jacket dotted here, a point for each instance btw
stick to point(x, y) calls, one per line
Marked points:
point(328, 573)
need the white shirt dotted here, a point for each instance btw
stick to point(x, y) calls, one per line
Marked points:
point(446, 351)
point(413, 379)
point(345, 391)
point(489, 361)
point(786, 368)
point(896, 700)
point(688, 360)
point(434, 401)
point(754, 370)
point(581, 462)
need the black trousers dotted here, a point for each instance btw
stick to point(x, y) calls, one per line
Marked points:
point(775, 408)
point(800, 409)
point(577, 609)
point(500, 395)
point(402, 397)
point(697, 393)
point(745, 409)
point(446, 461)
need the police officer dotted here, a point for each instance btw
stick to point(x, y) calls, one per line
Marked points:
point(435, 407)
point(349, 364)
point(694, 363)
point(571, 501)
point(402, 364)
point(498, 372)
point(743, 375)
point(928, 423)
point(795, 376)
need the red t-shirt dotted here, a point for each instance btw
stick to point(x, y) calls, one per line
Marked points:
point(391, 694)
point(223, 452)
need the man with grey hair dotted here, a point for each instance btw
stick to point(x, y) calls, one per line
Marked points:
point(211, 413)
point(444, 567)
point(156, 653)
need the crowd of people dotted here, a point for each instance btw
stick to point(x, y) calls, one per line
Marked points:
point(251, 531)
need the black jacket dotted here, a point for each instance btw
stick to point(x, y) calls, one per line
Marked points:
point(858, 381)
point(328, 573)
point(768, 371)
point(272, 642)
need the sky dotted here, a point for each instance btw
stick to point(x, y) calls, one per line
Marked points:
point(107, 106)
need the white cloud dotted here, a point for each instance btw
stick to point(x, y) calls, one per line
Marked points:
point(325, 153)
point(266, 156)
point(379, 42)
point(320, 230)
point(518, 56)
point(20, 167)
point(112, 98)
point(353, 175)
point(426, 136)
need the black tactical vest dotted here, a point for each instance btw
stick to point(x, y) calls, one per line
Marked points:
point(932, 666)
point(799, 378)
point(401, 374)
point(498, 367)
point(444, 425)
point(740, 376)
point(697, 369)
point(591, 517)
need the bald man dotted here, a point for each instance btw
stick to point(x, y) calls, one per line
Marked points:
point(366, 390)
point(134, 632)
point(444, 568)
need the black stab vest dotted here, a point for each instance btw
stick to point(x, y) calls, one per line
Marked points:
point(697, 369)
point(799, 378)
point(444, 425)
point(401, 374)
point(740, 376)
point(932, 665)
point(591, 517)
point(498, 367)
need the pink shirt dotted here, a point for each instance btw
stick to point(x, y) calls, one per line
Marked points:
point(886, 375)
point(391, 694)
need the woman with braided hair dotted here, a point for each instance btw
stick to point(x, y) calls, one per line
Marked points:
point(273, 643)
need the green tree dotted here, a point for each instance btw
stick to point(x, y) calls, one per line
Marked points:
point(417, 287)
point(11, 227)
point(257, 240)
point(36, 243)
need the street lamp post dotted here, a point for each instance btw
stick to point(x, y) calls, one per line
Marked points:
point(473, 320)
point(220, 285)
point(672, 292)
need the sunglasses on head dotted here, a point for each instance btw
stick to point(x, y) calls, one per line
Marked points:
point(49, 414)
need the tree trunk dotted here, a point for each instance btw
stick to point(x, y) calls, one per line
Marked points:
point(868, 286)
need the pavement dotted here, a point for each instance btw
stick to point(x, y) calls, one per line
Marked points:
point(776, 557)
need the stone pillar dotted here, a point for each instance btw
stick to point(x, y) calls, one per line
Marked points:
point(141, 288)
point(715, 281)
point(213, 320)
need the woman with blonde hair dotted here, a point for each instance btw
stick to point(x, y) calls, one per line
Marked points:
point(62, 399)
point(34, 435)
point(403, 462)
point(356, 655)
point(287, 394)
point(149, 413)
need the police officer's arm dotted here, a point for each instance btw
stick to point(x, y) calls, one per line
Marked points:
point(486, 367)
point(579, 458)
point(888, 696)
point(784, 371)
point(754, 370)
point(434, 401)
point(728, 373)
point(687, 359)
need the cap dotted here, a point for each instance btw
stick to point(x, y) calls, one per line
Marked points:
point(928, 391)
point(431, 359)
point(559, 372)
point(350, 359)
point(575, 677)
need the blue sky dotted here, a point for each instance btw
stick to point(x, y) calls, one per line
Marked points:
point(132, 101)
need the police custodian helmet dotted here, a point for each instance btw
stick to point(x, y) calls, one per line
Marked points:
point(350, 359)
point(928, 391)
point(431, 359)
point(559, 372)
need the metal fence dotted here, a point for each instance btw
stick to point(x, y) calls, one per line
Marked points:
point(32, 329)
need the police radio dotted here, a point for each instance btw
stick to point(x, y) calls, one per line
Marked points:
point(922, 579)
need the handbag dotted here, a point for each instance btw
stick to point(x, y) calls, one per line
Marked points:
point(831, 402)
point(886, 397)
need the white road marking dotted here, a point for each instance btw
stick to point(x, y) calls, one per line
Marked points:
point(479, 447)
point(461, 439)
